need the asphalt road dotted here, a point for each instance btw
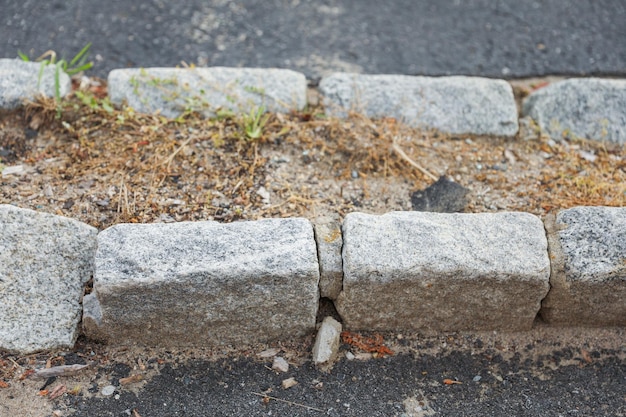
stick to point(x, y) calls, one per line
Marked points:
point(472, 37)
point(387, 387)
point(581, 374)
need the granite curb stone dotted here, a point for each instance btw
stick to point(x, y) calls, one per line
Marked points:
point(588, 255)
point(172, 91)
point(208, 284)
point(443, 272)
point(455, 104)
point(45, 261)
point(20, 80)
point(590, 108)
point(329, 243)
point(204, 283)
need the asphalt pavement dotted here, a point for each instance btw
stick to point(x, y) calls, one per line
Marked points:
point(502, 39)
point(545, 372)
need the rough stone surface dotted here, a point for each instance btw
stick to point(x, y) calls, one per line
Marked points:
point(590, 108)
point(329, 243)
point(588, 280)
point(326, 344)
point(205, 283)
point(92, 318)
point(443, 196)
point(443, 272)
point(45, 260)
point(456, 104)
point(172, 91)
point(19, 80)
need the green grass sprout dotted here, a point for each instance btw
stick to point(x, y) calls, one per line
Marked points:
point(254, 122)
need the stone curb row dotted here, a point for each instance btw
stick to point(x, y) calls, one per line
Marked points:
point(205, 283)
point(589, 108)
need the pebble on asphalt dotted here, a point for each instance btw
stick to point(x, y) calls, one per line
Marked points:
point(289, 382)
point(280, 364)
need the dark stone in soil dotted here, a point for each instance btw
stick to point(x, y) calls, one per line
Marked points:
point(444, 196)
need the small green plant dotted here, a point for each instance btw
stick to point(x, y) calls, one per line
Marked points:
point(254, 122)
point(94, 103)
point(223, 114)
point(74, 66)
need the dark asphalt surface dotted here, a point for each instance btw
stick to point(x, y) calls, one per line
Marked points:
point(561, 383)
point(473, 37)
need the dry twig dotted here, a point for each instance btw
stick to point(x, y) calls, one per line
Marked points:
point(420, 168)
point(62, 370)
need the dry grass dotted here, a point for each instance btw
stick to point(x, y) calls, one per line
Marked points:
point(105, 167)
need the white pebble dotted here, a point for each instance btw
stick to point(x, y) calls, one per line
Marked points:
point(280, 364)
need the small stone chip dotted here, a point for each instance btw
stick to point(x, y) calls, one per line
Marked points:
point(327, 342)
point(269, 353)
point(289, 382)
point(280, 364)
point(108, 390)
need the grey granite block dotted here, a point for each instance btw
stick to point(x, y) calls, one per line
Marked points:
point(45, 261)
point(329, 243)
point(20, 80)
point(456, 104)
point(172, 91)
point(588, 280)
point(590, 108)
point(443, 272)
point(204, 283)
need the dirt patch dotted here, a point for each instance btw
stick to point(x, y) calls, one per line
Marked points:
point(105, 166)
